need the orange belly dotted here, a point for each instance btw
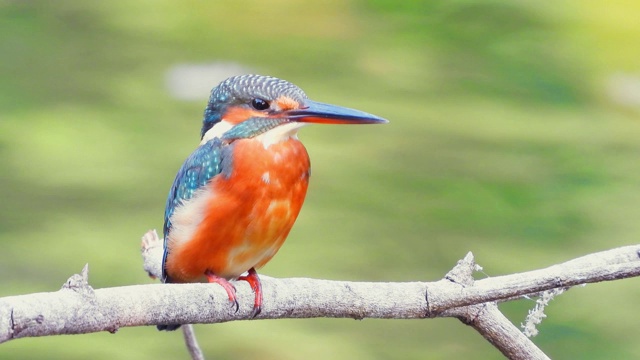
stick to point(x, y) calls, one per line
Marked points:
point(240, 221)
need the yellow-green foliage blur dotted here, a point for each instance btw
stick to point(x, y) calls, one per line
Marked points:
point(515, 134)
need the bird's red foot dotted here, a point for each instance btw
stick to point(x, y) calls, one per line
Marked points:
point(226, 285)
point(254, 282)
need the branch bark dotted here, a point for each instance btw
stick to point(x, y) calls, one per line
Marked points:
point(489, 321)
point(77, 308)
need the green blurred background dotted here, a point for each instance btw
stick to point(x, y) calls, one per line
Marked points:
point(515, 134)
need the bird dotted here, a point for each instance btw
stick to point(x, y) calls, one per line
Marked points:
point(237, 196)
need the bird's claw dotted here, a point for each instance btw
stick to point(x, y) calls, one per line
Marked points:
point(254, 281)
point(227, 286)
point(255, 312)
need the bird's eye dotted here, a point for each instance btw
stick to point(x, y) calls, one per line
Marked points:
point(259, 104)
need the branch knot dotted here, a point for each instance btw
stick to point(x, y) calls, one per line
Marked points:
point(79, 283)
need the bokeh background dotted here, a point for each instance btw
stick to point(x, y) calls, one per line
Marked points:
point(515, 134)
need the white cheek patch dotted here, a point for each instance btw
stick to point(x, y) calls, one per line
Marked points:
point(216, 131)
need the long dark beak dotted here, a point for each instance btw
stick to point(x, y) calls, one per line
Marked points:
point(319, 113)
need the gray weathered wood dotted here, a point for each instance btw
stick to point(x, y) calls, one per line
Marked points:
point(77, 308)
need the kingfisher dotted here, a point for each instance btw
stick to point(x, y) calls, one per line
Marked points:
point(236, 197)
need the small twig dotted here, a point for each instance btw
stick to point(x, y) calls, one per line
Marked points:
point(488, 320)
point(192, 342)
point(152, 248)
point(500, 332)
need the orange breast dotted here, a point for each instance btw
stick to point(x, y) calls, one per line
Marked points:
point(241, 221)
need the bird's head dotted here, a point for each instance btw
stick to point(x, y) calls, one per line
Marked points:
point(247, 106)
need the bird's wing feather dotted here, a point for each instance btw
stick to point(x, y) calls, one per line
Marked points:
point(200, 167)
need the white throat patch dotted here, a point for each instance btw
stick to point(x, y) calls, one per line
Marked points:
point(280, 133)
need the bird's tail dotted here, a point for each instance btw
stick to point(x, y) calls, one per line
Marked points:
point(171, 327)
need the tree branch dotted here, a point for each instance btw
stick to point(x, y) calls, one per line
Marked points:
point(488, 320)
point(77, 308)
point(607, 265)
